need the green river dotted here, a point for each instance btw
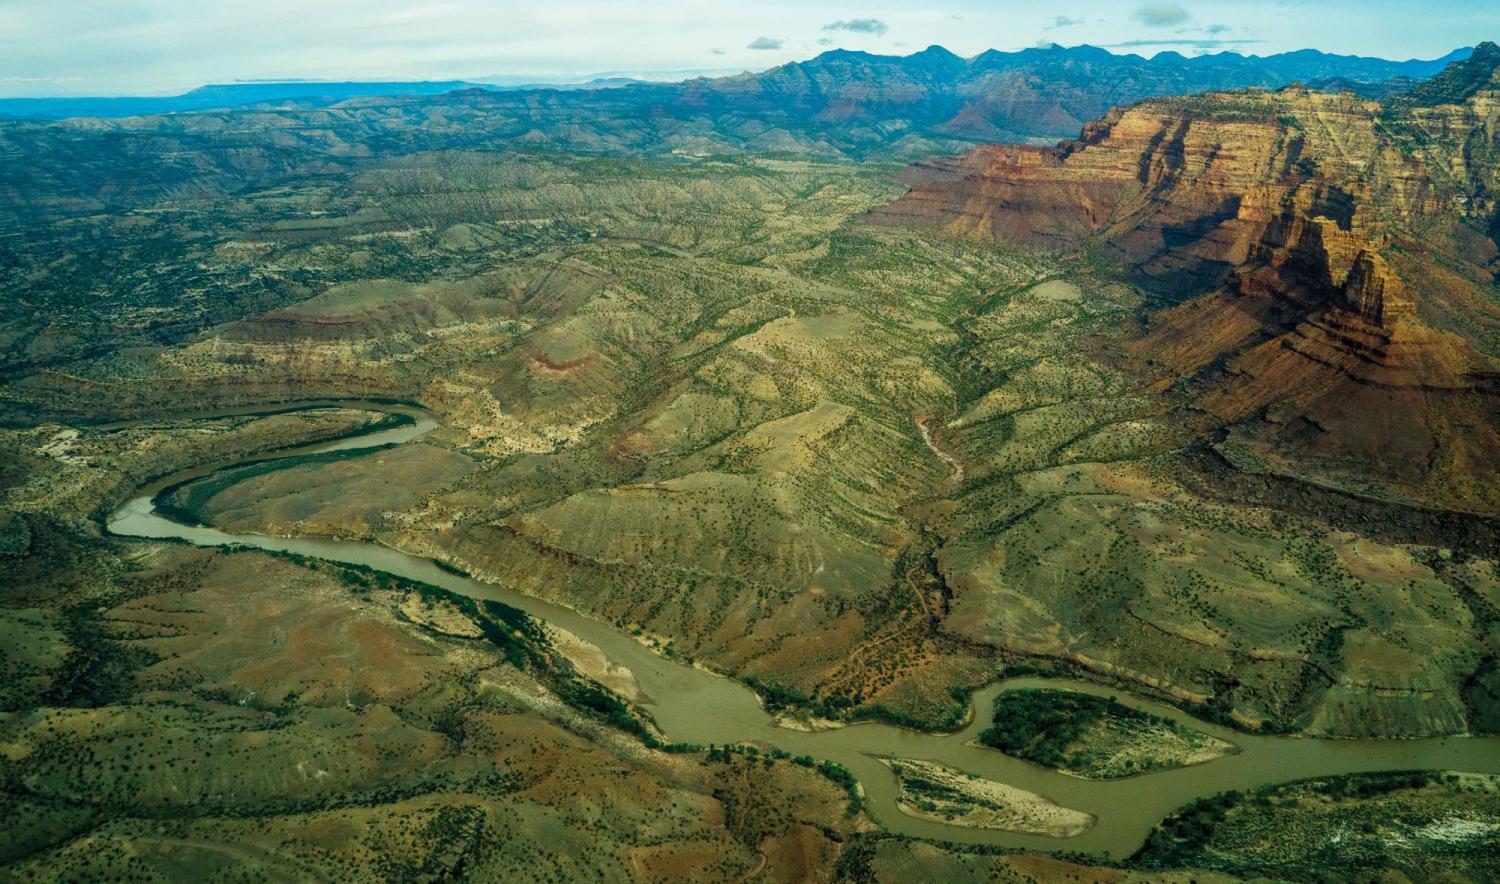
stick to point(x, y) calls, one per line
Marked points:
point(693, 705)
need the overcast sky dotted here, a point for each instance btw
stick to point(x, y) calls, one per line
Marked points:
point(112, 47)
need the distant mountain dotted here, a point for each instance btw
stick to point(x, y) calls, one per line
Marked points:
point(294, 94)
point(838, 105)
point(1030, 93)
point(1376, 89)
point(1002, 96)
point(638, 75)
point(1457, 83)
point(228, 95)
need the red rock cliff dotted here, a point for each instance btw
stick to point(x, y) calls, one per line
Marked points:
point(1333, 263)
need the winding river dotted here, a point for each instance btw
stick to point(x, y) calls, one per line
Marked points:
point(696, 706)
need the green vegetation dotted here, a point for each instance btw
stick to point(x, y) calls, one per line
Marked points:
point(840, 775)
point(158, 689)
point(185, 502)
point(934, 791)
point(1422, 825)
point(1041, 725)
point(831, 770)
point(1094, 737)
point(680, 388)
point(926, 791)
point(699, 397)
point(1026, 668)
point(1454, 85)
point(513, 632)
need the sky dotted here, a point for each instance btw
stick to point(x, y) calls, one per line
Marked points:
point(153, 47)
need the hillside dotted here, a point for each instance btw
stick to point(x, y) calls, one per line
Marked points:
point(786, 483)
point(1012, 96)
point(1325, 260)
point(838, 105)
point(859, 466)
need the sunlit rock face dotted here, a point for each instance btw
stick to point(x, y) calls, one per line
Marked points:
point(1329, 262)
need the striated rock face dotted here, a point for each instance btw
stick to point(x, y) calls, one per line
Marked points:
point(1376, 294)
point(1219, 179)
point(1332, 263)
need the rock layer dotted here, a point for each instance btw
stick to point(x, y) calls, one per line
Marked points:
point(1327, 263)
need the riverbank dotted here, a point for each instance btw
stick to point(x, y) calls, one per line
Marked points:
point(691, 705)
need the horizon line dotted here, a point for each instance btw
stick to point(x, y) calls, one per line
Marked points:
point(543, 81)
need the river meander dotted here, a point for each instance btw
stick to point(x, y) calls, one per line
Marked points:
point(694, 705)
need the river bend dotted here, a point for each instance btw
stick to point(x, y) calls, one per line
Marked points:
point(693, 705)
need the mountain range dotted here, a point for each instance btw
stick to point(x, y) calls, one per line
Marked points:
point(291, 94)
point(1009, 96)
point(838, 105)
point(218, 96)
point(782, 402)
point(842, 84)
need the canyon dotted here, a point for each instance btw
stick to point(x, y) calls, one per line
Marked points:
point(829, 433)
point(1324, 263)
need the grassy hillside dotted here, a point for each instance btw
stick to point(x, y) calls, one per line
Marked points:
point(856, 466)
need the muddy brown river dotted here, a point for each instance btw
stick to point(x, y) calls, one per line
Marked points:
point(694, 705)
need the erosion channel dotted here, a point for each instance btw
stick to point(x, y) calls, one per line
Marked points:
point(693, 705)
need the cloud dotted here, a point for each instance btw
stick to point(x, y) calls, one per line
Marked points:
point(1161, 15)
point(1208, 37)
point(1063, 21)
point(824, 41)
point(717, 51)
point(859, 26)
point(765, 43)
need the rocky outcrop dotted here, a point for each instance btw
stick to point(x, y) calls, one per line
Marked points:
point(1376, 294)
point(840, 103)
point(1332, 262)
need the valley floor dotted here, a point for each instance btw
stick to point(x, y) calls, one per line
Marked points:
point(859, 468)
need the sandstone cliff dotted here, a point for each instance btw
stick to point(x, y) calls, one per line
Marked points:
point(1327, 264)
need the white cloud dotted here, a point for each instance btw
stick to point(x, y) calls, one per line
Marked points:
point(1161, 15)
point(859, 26)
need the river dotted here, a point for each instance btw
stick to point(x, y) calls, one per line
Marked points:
point(693, 705)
